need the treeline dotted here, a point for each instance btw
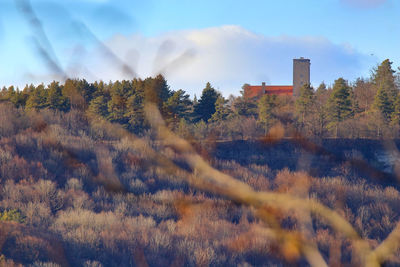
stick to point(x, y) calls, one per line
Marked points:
point(366, 108)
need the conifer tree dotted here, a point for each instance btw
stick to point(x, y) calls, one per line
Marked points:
point(339, 104)
point(98, 106)
point(221, 110)
point(85, 89)
point(305, 102)
point(395, 118)
point(37, 98)
point(156, 91)
point(70, 90)
point(135, 112)
point(206, 104)
point(244, 106)
point(55, 98)
point(177, 106)
point(117, 104)
point(266, 105)
point(321, 88)
point(383, 78)
point(383, 104)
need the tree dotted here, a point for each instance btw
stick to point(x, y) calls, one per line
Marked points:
point(55, 98)
point(266, 105)
point(157, 91)
point(15, 96)
point(135, 112)
point(85, 89)
point(98, 106)
point(70, 90)
point(305, 102)
point(117, 104)
point(339, 104)
point(364, 94)
point(322, 88)
point(24, 95)
point(177, 107)
point(37, 98)
point(205, 108)
point(396, 112)
point(383, 104)
point(243, 106)
point(221, 110)
point(383, 77)
point(318, 115)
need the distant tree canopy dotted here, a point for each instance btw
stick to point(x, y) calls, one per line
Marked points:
point(368, 107)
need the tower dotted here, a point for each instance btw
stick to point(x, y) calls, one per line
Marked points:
point(301, 74)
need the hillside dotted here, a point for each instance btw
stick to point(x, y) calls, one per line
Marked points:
point(77, 190)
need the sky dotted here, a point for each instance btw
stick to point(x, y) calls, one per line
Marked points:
point(225, 42)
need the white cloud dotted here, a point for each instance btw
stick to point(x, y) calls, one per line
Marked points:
point(227, 56)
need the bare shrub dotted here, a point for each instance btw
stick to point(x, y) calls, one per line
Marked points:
point(47, 192)
point(38, 214)
point(8, 120)
point(73, 184)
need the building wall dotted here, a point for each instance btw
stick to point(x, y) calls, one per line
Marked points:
point(301, 74)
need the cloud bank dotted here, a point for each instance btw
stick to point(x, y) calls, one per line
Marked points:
point(227, 56)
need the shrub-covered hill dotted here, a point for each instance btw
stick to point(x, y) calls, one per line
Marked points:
point(77, 190)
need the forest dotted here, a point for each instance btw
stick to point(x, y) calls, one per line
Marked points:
point(133, 173)
point(366, 108)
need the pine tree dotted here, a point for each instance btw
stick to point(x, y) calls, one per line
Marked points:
point(98, 106)
point(206, 104)
point(221, 110)
point(383, 78)
point(55, 98)
point(117, 104)
point(156, 91)
point(37, 98)
point(177, 107)
point(135, 112)
point(339, 104)
point(321, 88)
point(304, 102)
point(70, 90)
point(395, 118)
point(383, 104)
point(28, 90)
point(266, 105)
point(85, 89)
point(244, 106)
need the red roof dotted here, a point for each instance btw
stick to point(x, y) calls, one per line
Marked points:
point(257, 90)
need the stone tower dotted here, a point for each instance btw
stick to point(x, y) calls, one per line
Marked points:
point(301, 74)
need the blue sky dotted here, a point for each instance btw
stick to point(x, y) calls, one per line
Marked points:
point(228, 43)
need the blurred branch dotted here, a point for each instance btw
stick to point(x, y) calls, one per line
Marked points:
point(209, 179)
point(40, 39)
point(107, 52)
point(386, 249)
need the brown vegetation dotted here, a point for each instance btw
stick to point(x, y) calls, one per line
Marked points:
point(84, 192)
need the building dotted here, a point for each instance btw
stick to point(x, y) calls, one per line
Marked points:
point(301, 76)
